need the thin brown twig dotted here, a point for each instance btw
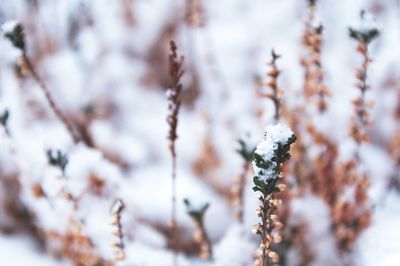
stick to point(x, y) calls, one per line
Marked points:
point(42, 85)
point(119, 246)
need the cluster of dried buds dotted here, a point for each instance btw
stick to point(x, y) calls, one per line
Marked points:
point(350, 216)
point(272, 84)
point(325, 182)
point(314, 85)
point(76, 246)
point(364, 33)
point(173, 95)
point(268, 229)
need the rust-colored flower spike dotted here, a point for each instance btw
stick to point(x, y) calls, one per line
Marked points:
point(174, 103)
point(325, 181)
point(118, 246)
point(14, 31)
point(364, 33)
point(314, 86)
point(320, 87)
point(173, 94)
point(305, 61)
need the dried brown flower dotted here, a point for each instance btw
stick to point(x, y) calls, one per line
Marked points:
point(174, 103)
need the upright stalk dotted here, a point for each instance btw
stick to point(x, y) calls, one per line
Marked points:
point(15, 33)
point(173, 96)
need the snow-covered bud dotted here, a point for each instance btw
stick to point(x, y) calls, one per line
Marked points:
point(57, 159)
point(14, 31)
point(366, 29)
point(269, 155)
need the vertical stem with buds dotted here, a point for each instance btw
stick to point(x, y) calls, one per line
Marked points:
point(273, 84)
point(269, 157)
point(245, 150)
point(173, 94)
point(14, 31)
point(361, 109)
point(352, 217)
point(314, 86)
point(274, 91)
point(119, 246)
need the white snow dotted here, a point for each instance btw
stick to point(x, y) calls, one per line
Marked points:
point(274, 135)
point(365, 23)
point(9, 26)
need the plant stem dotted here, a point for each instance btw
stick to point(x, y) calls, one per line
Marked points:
point(173, 209)
point(242, 184)
point(49, 98)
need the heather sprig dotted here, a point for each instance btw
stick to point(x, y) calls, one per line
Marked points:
point(366, 31)
point(269, 157)
point(14, 32)
point(314, 86)
point(273, 74)
point(174, 103)
point(4, 120)
point(201, 237)
point(116, 211)
point(57, 159)
point(173, 95)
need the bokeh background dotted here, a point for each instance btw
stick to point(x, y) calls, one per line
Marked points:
point(106, 64)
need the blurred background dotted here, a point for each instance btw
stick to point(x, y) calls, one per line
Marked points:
point(106, 66)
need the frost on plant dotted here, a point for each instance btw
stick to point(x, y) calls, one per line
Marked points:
point(366, 29)
point(14, 31)
point(57, 159)
point(269, 155)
